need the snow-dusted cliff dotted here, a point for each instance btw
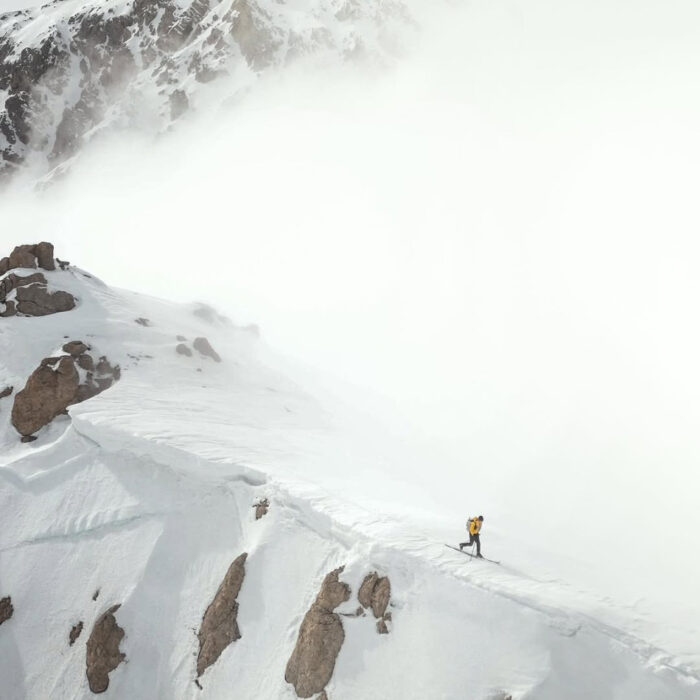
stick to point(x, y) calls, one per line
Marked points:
point(205, 528)
point(70, 69)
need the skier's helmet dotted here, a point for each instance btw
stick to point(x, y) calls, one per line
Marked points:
point(481, 517)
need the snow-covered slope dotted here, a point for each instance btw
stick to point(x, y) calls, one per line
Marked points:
point(143, 497)
point(70, 69)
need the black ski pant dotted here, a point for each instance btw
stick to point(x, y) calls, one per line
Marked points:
point(473, 539)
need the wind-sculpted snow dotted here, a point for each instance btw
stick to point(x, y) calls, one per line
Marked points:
point(144, 494)
point(70, 70)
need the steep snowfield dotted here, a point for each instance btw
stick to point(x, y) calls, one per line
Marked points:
point(145, 493)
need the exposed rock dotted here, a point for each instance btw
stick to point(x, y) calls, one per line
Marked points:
point(75, 633)
point(23, 256)
point(28, 438)
point(44, 256)
point(142, 321)
point(219, 625)
point(9, 310)
point(75, 348)
point(6, 609)
point(63, 264)
point(68, 73)
point(381, 627)
point(380, 596)
point(375, 592)
point(182, 349)
point(322, 696)
point(86, 362)
point(39, 254)
point(47, 393)
point(6, 391)
point(364, 595)
point(261, 508)
point(103, 654)
point(55, 385)
point(13, 281)
point(96, 594)
point(36, 300)
point(321, 636)
point(181, 338)
point(205, 348)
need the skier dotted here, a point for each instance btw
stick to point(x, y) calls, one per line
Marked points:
point(474, 527)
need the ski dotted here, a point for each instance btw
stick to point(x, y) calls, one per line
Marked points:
point(473, 556)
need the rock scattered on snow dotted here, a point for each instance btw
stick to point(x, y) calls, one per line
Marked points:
point(261, 508)
point(6, 609)
point(56, 384)
point(203, 346)
point(75, 633)
point(103, 654)
point(219, 625)
point(6, 391)
point(182, 349)
point(142, 321)
point(321, 636)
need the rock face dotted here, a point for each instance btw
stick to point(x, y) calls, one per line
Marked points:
point(56, 384)
point(203, 346)
point(219, 625)
point(375, 593)
point(67, 71)
point(321, 636)
point(103, 654)
point(6, 609)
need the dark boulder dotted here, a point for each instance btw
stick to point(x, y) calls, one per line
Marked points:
point(220, 625)
point(103, 654)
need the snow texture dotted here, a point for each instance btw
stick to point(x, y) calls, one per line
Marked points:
point(145, 493)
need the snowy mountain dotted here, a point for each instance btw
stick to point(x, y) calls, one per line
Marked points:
point(178, 519)
point(70, 69)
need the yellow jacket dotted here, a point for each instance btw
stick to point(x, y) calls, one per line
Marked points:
point(474, 525)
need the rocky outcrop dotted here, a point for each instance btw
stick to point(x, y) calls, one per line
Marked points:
point(219, 626)
point(103, 654)
point(31, 293)
point(203, 346)
point(321, 636)
point(6, 392)
point(261, 508)
point(75, 633)
point(69, 71)
point(36, 300)
point(34, 255)
point(6, 609)
point(56, 384)
point(375, 593)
